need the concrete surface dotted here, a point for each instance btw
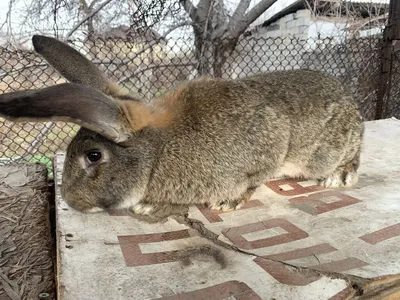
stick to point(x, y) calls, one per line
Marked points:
point(294, 240)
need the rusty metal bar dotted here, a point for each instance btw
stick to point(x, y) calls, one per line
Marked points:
point(390, 35)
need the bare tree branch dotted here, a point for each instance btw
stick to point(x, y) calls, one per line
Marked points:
point(190, 9)
point(220, 28)
point(148, 46)
point(138, 71)
point(252, 15)
point(7, 14)
point(101, 6)
point(94, 2)
point(154, 42)
point(84, 4)
point(240, 11)
point(357, 26)
point(8, 18)
point(87, 9)
point(203, 10)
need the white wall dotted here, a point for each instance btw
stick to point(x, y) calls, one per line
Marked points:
point(325, 29)
point(295, 24)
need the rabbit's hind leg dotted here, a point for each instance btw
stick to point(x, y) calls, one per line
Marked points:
point(253, 182)
point(143, 208)
point(230, 205)
point(344, 176)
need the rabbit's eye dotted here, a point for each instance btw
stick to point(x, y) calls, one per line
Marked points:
point(93, 156)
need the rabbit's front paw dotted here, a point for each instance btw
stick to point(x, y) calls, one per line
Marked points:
point(226, 206)
point(94, 210)
point(351, 179)
point(338, 180)
point(142, 209)
point(332, 181)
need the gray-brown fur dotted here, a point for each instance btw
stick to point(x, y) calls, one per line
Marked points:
point(203, 250)
point(215, 141)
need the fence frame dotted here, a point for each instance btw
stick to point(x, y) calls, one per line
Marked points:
point(391, 34)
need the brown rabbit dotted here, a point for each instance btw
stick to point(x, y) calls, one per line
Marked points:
point(209, 141)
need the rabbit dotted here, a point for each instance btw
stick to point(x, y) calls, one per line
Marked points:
point(208, 141)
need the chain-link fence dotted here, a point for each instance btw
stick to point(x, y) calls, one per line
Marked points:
point(148, 71)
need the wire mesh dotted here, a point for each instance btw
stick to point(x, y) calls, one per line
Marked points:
point(149, 71)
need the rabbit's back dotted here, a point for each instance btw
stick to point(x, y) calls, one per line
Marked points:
point(229, 131)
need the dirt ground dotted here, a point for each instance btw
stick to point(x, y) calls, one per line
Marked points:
point(26, 266)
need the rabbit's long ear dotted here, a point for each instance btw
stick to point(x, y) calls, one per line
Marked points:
point(68, 102)
point(74, 66)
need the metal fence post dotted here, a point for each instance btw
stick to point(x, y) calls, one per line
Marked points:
point(390, 34)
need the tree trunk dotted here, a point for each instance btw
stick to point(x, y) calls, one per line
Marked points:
point(205, 57)
point(216, 33)
point(212, 55)
point(85, 10)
